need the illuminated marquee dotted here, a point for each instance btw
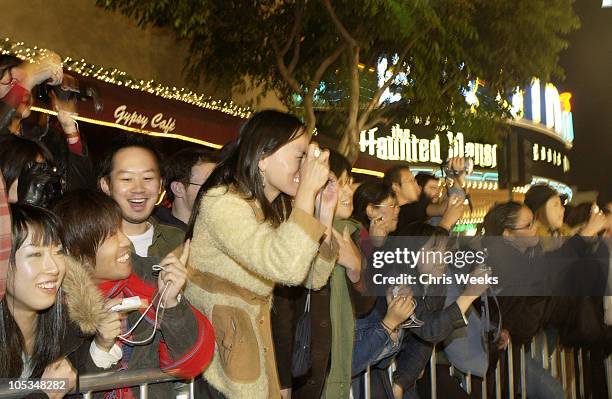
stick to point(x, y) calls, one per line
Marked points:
point(403, 145)
point(545, 154)
point(543, 104)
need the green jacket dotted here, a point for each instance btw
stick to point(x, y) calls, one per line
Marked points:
point(165, 239)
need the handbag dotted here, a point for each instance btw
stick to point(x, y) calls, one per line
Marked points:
point(301, 361)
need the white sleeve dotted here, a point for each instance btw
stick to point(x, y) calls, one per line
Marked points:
point(104, 359)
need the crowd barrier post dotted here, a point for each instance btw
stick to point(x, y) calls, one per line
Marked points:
point(510, 369)
point(366, 383)
point(484, 386)
point(563, 369)
point(468, 382)
point(498, 391)
point(523, 373)
point(432, 366)
point(545, 357)
point(581, 371)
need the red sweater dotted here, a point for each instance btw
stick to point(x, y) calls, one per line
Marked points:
point(186, 365)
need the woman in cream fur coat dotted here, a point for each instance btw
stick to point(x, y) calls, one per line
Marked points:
point(253, 228)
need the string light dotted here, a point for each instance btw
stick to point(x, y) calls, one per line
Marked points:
point(120, 78)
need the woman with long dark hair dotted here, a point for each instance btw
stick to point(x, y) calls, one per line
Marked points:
point(253, 227)
point(37, 332)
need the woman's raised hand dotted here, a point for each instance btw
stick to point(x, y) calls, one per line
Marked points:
point(314, 173)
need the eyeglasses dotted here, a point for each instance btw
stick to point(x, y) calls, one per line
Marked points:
point(195, 184)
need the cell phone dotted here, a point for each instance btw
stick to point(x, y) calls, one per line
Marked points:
point(128, 304)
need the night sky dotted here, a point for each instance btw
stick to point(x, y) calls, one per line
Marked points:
point(588, 67)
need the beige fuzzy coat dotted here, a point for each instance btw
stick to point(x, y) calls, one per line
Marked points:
point(236, 260)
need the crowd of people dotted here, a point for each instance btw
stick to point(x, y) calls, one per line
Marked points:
point(251, 265)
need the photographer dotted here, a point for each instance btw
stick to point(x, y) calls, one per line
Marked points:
point(17, 79)
point(64, 139)
point(403, 183)
point(28, 169)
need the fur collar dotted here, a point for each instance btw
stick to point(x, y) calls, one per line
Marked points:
point(84, 301)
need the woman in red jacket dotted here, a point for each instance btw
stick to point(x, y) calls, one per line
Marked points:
point(184, 341)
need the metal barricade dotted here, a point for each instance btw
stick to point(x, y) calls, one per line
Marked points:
point(110, 380)
point(571, 375)
point(432, 366)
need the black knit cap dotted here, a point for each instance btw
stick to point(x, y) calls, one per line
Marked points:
point(537, 196)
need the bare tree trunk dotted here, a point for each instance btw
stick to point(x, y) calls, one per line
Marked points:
point(349, 142)
point(311, 119)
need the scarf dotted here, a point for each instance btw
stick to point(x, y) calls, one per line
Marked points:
point(338, 381)
point(131, 286)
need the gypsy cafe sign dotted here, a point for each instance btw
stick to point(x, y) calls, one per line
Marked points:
point(134, 119)
point(402, 145)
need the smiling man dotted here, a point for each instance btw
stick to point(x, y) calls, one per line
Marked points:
point(130, 174)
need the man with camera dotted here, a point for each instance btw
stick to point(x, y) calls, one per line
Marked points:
point(404, 185)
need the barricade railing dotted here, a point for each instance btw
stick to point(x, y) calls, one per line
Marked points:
point(110, 380)
point(564, 364)
point(104, 381)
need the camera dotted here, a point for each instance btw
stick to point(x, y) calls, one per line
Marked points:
point(468, 168)
point(70, 89)
point(40, 184)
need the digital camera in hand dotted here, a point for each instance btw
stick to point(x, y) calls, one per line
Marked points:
point(468, 168)
point(39, 184)
point(69, 89)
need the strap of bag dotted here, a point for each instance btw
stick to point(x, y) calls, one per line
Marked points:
point(309, 284)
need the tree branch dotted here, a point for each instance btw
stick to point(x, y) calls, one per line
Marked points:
point(294, 30)
point(296, 54)
point(373, 122)
point(397, 69)
point(308, 97)
point(343, 32)
point(316, 79)
point(450, 82)
point(349, 138)
point(282, 69)
point(382, 116)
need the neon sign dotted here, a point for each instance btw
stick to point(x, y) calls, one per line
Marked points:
point(543, 104)
point(545, 154)
point(403, 145)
